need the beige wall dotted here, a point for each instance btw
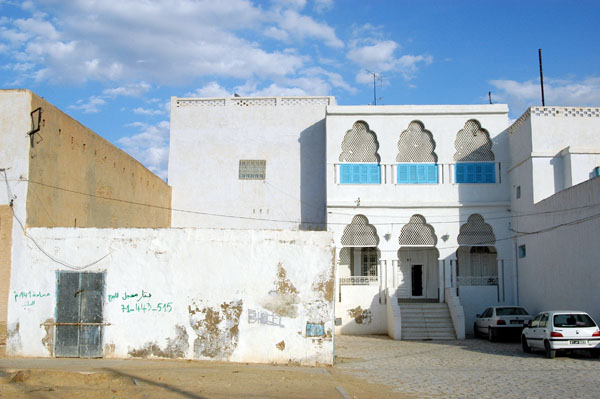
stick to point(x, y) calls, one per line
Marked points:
point(5, 261)
point(76, 178)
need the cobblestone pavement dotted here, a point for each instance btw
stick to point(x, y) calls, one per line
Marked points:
point(471, 368)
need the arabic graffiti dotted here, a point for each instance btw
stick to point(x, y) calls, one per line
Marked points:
point(266, 318)
point(139, 302)
point(28, 298)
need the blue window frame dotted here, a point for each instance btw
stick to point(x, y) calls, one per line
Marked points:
point(409, 173)
point(360, 173)
point(475, 172)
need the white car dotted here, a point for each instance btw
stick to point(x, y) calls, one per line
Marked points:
point(562, 330)
point(500, 320)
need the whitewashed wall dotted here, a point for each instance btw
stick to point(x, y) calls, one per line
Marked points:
point(559, 270)
point(284, 275)
point(209, 137)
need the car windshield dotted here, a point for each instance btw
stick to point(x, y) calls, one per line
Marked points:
point(573, 320)
point(510, 312)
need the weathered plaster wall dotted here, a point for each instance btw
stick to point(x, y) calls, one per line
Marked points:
point(5, 261)
point(243, 296)
point(78, 179)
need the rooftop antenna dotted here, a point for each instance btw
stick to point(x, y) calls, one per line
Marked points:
point(541, 77)
point(490, 96)
point(376, 77)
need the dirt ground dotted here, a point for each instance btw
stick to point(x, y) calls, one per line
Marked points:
point(133, 379)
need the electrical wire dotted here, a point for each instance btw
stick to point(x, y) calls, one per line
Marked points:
point(307, 222)
point(54, 259)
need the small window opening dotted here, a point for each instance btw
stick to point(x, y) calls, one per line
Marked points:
point(522, 251)
point(518, 191)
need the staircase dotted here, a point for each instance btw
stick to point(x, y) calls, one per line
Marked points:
point(421, 320)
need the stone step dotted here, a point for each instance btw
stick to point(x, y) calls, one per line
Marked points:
point(426, 321)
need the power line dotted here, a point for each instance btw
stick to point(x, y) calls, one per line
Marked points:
point(230, 216)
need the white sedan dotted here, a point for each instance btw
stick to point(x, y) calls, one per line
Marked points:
point(500, 320)
point(563, 330)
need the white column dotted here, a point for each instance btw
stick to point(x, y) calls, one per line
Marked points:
point(501, 280)
point(453, 275)
point(441, 280)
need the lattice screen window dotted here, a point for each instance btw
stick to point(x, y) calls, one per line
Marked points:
point(473, 143)
point(416, 144)
point(417, 233)
point(369, 261)
point(360, 233)
point(476, 232)
point(360, 144)
point(252, 169)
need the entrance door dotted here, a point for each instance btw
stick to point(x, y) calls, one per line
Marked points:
point(79, 314)
point(417, 280)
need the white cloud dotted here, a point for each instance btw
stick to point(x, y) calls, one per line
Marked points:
point(303, 26)
point(559, 92)
point(92, 105)
point(130, 90)
point(380, 56)
point(212, 89)
point(150, 146)
point(323, 5)
point(147, 111)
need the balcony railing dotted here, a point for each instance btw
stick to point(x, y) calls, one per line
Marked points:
point(440, 173)
point(359, 280)
point(477, 280)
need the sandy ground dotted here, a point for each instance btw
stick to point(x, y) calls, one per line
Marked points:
point(133, 379)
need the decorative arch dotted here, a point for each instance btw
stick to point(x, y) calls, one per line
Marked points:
point(473, 143)
point(416, 144)
point(360, 144)
point(476, 232)
point(417, 233)
point(359, 233)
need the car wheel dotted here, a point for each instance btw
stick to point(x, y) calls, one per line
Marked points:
point(475, 332)
point(524, 345)
point(491, 334)
point(595, 353)
point(550, 353)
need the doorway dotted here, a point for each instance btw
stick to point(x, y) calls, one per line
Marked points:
point(79, 314)
point(416, 273)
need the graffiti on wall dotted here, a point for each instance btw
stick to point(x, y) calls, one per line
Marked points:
point(29, 298)
point(265, 318)
point(139, 302)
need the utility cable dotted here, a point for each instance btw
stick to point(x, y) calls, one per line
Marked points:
point(54, 259)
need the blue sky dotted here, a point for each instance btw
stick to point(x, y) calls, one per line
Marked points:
point(114, 64)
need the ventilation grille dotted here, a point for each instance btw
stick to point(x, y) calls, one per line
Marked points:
point(254, 102)
point(476, 232)
point(220, 102)
point(360, 233)
point(416, 144)
point(304, 101)
point(417, 233)
point(473, 143)
point(360, 144)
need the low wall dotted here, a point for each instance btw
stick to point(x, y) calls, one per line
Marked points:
point(242, 296)
point(362, 309)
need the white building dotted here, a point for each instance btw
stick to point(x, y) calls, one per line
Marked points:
point(555, 204)
point(418, 200)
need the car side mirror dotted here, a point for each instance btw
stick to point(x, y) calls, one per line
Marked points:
point(528, 324)
point(478, 315)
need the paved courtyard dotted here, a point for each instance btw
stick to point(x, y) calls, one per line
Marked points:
point(472, 368)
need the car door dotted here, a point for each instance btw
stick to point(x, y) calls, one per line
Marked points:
point(485, 321)
point(532, 333)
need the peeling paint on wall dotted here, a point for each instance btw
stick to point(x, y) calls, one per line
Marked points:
point(109, 350)
point(284, 299)
point(217, 328)
point(325, 285)
point(48, 340)
point(176, 347)
point(361, 316)
point(13, 341)
point(280, 345)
